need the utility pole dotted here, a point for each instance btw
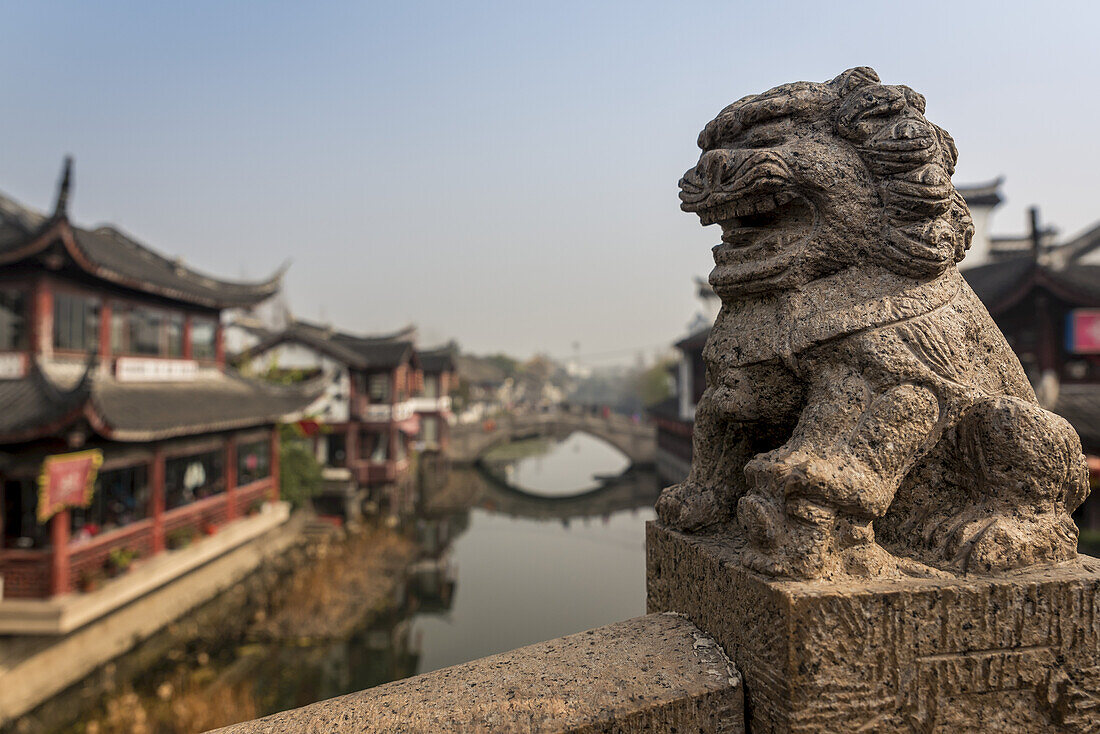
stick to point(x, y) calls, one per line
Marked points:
point(1036, 235)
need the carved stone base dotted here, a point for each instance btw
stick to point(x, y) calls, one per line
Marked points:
point(1016, 653)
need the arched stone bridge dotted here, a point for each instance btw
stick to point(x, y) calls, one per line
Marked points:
point(637, 441)
point(632, 490)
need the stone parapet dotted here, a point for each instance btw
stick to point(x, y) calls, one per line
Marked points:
point(657, 673)
point(1018, 652)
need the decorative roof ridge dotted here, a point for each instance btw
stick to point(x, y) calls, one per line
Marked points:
point(120, 236)
point(311, 388)
point(90, 250)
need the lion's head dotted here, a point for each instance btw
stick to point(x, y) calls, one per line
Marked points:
point(809, 178)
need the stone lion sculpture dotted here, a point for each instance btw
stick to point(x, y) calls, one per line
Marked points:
point(863, 414)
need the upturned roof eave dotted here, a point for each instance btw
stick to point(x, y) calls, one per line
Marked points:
point(58, 228)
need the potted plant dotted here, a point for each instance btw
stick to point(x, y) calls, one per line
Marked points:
point(90, 580)
point(255, 507)
point(209, 528)
point(180, 538)
point(119, 561)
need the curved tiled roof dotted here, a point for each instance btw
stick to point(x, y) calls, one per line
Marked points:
point(983, 194)
point(129, 411)
point(361, 352)
point(1003, 283)
point(440, 359)
point(996, 282)
point(152, 411)
point(34, 406)
point(107, 253)
point(124, 260)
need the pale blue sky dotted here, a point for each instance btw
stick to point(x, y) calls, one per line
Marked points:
point(501, 173)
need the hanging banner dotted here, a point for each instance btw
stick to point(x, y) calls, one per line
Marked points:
point(67, 480)
point(1083, 331)
point(310, 427)
point(410, 426)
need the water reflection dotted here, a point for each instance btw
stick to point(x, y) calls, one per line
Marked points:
point(554, 545)
point(580, 463)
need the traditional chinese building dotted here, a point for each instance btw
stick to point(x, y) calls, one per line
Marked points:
point(433, 405)
point(368, 412)
point(122, 432)
point(1046, 300)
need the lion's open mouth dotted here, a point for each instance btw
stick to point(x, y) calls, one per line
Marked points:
point(761, 236)
point(767, 222)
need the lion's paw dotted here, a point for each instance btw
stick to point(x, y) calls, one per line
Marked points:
point(1007, 542)
point(686, 507)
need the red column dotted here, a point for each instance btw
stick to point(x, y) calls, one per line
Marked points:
point(351, 445)
point(157, 498)
point(42, 322)
point(275, 445)
point(231, 477)
point(219, 345)
point(59, 561)
point(187, 353)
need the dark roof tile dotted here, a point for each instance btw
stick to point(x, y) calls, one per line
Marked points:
point(109, 254)
point(151, 411)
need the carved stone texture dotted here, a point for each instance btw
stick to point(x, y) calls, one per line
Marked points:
point(1019, 652)
point(863, 414)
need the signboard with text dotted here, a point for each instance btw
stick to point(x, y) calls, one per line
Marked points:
point(140, 369)
point(67, 480)
point(1083, 331)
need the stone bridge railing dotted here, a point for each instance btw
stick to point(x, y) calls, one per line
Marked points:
point(636, 440)
point(657, 673)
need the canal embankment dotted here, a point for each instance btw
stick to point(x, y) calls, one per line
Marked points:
point(199, 671)
point(81, 632)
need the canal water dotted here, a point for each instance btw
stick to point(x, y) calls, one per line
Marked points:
point(545, 539)
point(522, 579)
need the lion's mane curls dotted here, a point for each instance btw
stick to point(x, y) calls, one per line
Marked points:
point(927, 223)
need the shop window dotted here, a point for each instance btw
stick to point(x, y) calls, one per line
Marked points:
point(429, 429)
point(120, 329)
point(381, 446)
point(253, 461)
point(121, 497)
point(13, 319)
point(204, 334)
point(21, 528)
point(336, 453)
point(174, 327)
point(380, 388)
point(75, 322)
point(193, 477)
point(145, 332)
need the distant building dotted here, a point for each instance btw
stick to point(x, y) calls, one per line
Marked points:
point(121, 427)
point(433, 405)
point(982, 199)
point(381, 400)
point(675, 417)
point(484, 388)
point(1046, 300)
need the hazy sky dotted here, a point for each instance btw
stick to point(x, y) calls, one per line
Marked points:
point(500, 173)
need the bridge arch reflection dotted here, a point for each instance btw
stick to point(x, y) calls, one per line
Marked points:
point(633, 489)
